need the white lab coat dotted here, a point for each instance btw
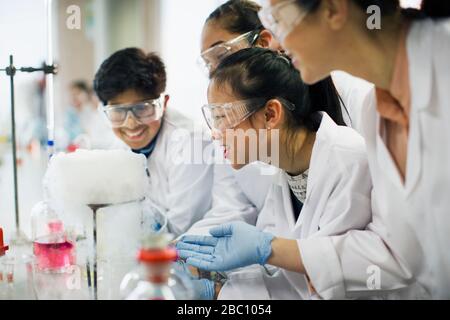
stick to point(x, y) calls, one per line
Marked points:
point(338, 199)
point(181, 172)
point(409, 237)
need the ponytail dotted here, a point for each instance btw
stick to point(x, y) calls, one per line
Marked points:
point(324, 96)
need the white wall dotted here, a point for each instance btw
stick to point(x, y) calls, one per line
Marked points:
point(410, 3)
point(182, 23)
point(22, 33)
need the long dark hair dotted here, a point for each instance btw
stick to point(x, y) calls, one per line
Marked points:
point(429, 8)
point(263, 73)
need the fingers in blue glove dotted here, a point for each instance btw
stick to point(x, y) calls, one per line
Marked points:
point(200, 240)
point(186, 254)
point(222, 230)
point(204, 289)
point(181, 266)
point(201, 264)
point(195, 247)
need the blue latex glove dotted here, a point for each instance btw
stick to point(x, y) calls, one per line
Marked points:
point(203, 288)
point(232, 245)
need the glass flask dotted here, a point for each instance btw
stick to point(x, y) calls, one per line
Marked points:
point(155, 278)
point(53, 246)
point(57, 275)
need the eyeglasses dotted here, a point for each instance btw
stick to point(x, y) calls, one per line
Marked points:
point(281, 18)
point(144, 112)
point(210, 58)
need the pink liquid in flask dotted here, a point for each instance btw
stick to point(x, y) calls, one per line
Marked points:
point(53, 253)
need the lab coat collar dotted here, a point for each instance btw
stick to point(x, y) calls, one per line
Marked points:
point(414, 158)
point(318, 165)
point(285, 194)
point(325, 135)
point(148, 150)
point(419, 48)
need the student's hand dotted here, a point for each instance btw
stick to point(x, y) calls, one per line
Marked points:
point(233, 245)
point(204, 289)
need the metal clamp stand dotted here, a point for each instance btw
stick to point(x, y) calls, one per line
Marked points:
point(11, 70)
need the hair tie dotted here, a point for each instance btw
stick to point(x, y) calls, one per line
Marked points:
point(282, 55)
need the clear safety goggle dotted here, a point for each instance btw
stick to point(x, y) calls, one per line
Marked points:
point(222, 116)
point(281, 18)
point(211, 58)
point(143, 112)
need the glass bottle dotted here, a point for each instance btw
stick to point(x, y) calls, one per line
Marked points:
point(155, 278)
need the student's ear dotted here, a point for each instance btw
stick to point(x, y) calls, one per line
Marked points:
point(166, 101)
point(265, 39)
point(273, 114)
point(336, 13)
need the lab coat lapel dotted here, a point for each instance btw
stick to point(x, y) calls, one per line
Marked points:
point(287, 203)
point(384, 158)
point(317, 164)
point(414, 160)
point(421, 69)
point(414, 164)
point(420, 66)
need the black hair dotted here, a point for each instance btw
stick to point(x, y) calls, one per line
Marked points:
point(237, 16)
point(429, 8)
point(81, 85)
point(130, 69)
point(262, 73)
point(436, 8)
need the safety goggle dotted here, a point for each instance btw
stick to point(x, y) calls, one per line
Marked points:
point(211, 58)
point(220, 117)
point(281, 18)
point(143, 112)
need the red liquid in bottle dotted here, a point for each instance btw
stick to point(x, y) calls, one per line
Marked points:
point(53, 253)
